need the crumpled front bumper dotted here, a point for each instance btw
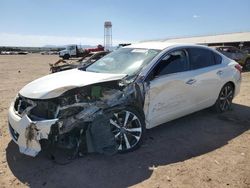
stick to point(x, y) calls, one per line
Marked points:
point(27, 133)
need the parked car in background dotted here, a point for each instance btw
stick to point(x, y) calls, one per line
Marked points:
point(246, 50)
point(107, 106)
point(14, 53)
point(88, 59)
point(76, 51)
point(242, 57)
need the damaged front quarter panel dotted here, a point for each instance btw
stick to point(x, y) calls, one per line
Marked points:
point(98, 103)
point(76, 119)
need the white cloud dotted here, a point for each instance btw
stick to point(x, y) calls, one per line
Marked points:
point(195, 16)
point(7, 39)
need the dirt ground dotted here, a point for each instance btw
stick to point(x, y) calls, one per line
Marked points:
point(200, 150)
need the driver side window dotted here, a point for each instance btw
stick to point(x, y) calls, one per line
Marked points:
point(172, 62)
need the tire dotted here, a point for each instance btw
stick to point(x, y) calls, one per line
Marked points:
point(128, 127)
point(247, 65)
point(66, 56)
point(225, 98)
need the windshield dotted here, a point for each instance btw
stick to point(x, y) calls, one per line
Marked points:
point(70, 47)
point(123, 61)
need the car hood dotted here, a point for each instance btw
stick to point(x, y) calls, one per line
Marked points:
point(54, 85)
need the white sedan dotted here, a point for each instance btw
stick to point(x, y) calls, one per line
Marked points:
point(107, 106)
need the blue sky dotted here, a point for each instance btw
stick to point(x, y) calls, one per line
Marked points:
point(47, 22)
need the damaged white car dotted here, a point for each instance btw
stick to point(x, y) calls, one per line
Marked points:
point(107, 106)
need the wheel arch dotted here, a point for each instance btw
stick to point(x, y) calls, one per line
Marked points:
point(138, 109)
point(216, 106)
point(230, 82)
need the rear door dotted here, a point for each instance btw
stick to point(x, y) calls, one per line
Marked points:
point(207, 70)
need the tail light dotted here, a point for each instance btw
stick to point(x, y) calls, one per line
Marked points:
point(238, 67)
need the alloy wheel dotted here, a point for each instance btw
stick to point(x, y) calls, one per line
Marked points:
point(127, 129)
point(226, 97)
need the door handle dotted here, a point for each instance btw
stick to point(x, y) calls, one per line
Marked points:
point(191, 81)
point(220, 72)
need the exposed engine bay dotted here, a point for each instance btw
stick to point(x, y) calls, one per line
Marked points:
point(79, 118)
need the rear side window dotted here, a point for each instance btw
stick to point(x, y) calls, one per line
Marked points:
point(200, 58)
point(217, 58)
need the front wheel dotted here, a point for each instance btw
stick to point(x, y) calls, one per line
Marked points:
point(66, 56)
point(128, 127)
point(224, 101)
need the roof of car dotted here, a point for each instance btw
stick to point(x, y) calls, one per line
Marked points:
point(156, 45)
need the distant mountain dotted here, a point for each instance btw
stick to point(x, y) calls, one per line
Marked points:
point(51, 46)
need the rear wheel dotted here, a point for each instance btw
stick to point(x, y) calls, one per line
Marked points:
point(128, 127)
point(225, 98)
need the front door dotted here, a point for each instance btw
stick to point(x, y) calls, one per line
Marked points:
point(170, 92)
